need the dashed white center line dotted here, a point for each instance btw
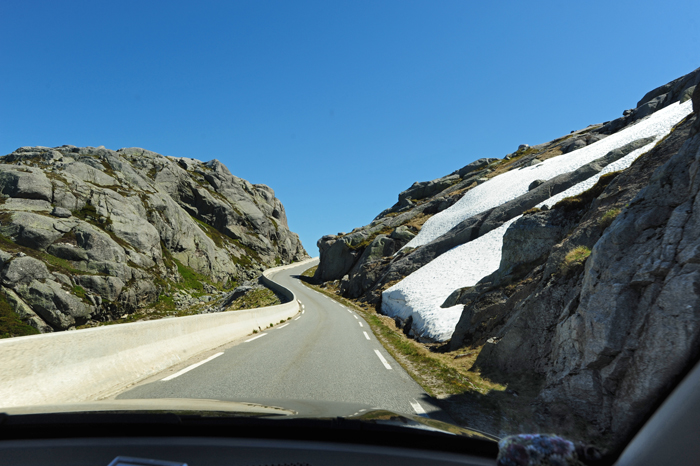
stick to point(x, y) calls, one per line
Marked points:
point(298, 318)
point(418, 408)
point(282, 326)
point(255, 338)
point(348, 310)
point(302, 311)
point(366, 336)
point(189, 368)
point(360, 324)
point(356, 317)
point(381, 358)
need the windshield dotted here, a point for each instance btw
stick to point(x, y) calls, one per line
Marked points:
point(477, 215)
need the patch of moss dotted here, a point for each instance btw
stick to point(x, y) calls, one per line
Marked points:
point(534, 210)
point(608, 218)
point(254, 299)
point(10, 323)
point(190, 279)
point(79, 291)
point(575, 257)
point(250, 253)
point(219, 238)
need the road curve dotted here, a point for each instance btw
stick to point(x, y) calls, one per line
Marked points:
point(327, 353)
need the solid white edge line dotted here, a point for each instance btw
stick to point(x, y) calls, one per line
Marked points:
point(189, 368)
point(381, 358)
point(282, 326)
point(366, 336)
point(360, 324)
point(418, 408)
point(255, 338)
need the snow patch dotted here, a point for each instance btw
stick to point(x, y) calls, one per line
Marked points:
point(421, 293)
point(509, 185)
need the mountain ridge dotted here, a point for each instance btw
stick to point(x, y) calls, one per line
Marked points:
point(93, 235)
point(553, 318)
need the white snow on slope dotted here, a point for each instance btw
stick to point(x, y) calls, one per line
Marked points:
point(514, 183)
point(421, 293)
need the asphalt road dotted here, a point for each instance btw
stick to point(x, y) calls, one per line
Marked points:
point(325, 354)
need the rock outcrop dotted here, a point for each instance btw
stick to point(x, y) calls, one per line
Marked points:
point(593, 314)
point(610, 333)
point(88, 233)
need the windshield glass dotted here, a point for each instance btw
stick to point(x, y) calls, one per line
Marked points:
point(477, 215)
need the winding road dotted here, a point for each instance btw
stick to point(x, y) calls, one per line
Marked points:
point(325, 361)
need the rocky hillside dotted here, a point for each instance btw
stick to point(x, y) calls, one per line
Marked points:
point(590, 314)
point(90, 234)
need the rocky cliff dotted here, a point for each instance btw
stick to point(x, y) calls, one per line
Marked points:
point(90, 234)
point(593, 314)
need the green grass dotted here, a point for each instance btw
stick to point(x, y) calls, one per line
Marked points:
point(608, 218)
point(191, 280)
point(79, 291)
point(10, 323)
point(310, 272)
point(254, 299)
point(576, 256)
point(534, 210)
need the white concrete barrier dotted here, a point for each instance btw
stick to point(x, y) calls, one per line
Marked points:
point(89, 364)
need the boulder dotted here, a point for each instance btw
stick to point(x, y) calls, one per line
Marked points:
point(26, 183)
point(474, 166)
point(108, 288)
point(26, 205)
point(531, 237)
point(23, 270)
point(337, 258)
point(61, 212)
point(68, 251)
point(24, 312)
point(31, 230)
point(423, 189)
point(60, 309)
point(402, 233)
point(535, 184)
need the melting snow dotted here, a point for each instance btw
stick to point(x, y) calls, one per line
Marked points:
point(421, 293)
point(514, 183)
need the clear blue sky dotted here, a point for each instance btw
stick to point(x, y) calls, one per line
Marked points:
point(338, 106)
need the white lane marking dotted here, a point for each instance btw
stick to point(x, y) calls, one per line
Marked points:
point(366, 336)
point(298, 318)
point(255, 338)
point(418, 408)
point(189, 368)
point(356, 317)
point(381, 358)
point(348, 310)
point(360, 324)
point(302, 306)
point(282, 326)
point(302, 311)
